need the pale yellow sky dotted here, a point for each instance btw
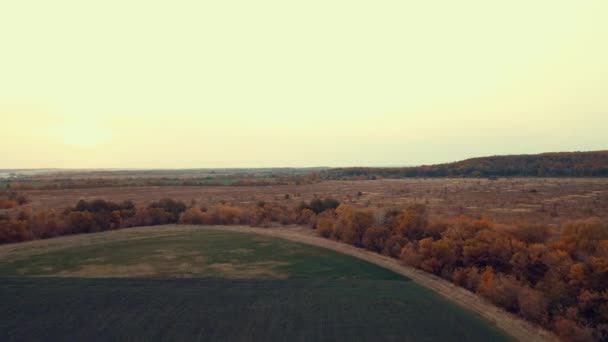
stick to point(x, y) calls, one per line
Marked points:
point(298, 83)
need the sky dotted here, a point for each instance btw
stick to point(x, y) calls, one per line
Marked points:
point(196, 84)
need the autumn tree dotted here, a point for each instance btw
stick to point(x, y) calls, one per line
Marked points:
point(325, 226)
point(352, 223)
point(318, 205)
point(530, 233)
point(532, 305)
point(193, 216)
point(486, 281)
point(375, 238)
point(393, 245)
point(412, 222)
point(172, 207)
point(570, 330)
point(13, 231)
point(306, 217)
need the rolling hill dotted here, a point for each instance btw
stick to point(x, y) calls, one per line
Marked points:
point(554, 164)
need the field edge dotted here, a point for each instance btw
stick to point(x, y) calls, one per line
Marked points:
point(515, 327)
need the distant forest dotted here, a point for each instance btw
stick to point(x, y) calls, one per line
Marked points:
point(560, 164)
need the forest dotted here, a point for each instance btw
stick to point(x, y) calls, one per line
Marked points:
point(556, 278)
point(561, 164)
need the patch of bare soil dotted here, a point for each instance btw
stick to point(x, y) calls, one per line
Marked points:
point(110, 271)
point(253, 270)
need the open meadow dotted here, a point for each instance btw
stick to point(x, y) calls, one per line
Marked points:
point(506, 200)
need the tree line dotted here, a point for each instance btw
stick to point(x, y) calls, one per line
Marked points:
point(566, 164)
point(556, 280)
point(91, 183)
point(100, 215)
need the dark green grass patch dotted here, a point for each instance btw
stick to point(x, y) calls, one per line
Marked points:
point(224, 310)
point(201, 253)
point(303, 293)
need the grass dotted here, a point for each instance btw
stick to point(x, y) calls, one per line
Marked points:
point(274, 290)
point(202, 253)
point(214, 180)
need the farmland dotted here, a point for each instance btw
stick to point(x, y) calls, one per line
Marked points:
point(175, 252)
point(196, 284)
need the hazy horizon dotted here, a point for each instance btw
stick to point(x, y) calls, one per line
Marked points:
point(7, 170)
point(187, 84)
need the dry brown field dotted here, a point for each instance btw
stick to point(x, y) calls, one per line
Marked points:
point(507, 200)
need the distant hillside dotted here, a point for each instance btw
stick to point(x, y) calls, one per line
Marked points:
point(558, 164)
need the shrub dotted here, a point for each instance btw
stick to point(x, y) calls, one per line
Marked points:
point(193, 216)
point(325, 227)
point(172, 207)
point(375, 238)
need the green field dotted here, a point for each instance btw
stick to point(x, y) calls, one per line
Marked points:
point(161, 284)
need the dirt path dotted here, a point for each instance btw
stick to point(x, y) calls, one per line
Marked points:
point(514, 326)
